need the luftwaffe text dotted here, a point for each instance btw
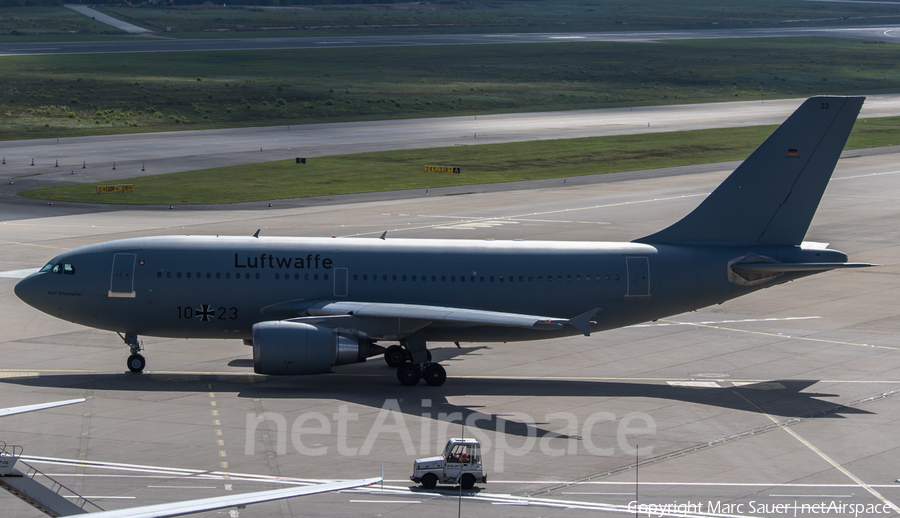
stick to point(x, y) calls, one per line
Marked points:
point(310, 262)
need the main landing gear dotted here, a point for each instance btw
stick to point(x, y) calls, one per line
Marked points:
point(136, 362)
point(410, 371)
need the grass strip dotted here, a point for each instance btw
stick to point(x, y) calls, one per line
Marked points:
point(487, 163)
point(96, 94)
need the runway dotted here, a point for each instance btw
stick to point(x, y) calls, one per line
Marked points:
point(886, 33)
point(777, 402)
point(160, 153)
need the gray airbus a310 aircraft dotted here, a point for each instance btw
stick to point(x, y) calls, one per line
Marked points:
point(309, 304)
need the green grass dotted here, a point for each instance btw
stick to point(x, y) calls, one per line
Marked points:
point(55, 96)
point(490, 163)
point(499, 16)
point(25, 24)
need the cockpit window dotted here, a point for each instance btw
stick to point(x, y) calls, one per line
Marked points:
point(57, 268)
point(68, 269)
point(47, 267)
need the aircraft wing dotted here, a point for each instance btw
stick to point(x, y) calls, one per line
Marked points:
point(449, 314)
point(223, 502)
point(31, 408)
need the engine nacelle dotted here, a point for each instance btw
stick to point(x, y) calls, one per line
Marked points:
point(287, 348)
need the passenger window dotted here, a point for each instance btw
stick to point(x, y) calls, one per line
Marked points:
point(296, 276)
point(355, 277)
point(188, 275)
point(365, 277)
point(168, 275)
point(178, 275)
point(257, 276)
point(277, 276)
point(316, 277)
point(443, 278)
point(158, 275)
point(433, 278)
point(395, 278)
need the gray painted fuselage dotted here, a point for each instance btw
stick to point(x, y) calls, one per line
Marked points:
point(218, 287)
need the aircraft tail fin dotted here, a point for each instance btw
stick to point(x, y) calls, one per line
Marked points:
point(770, 199)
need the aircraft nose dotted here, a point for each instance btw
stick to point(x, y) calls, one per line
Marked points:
point(25, 290)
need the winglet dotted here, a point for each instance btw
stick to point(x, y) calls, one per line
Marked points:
point(257, 233)
point(583, 321)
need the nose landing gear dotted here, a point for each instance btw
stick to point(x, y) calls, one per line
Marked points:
point(136, 362)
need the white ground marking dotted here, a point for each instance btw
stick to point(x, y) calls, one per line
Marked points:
point(824, 457)
point(715, 322)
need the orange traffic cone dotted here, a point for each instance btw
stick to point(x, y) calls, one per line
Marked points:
point(32, 161)
point(114, 166)
point(84, 165)
point(142, 167)
point(57, 164)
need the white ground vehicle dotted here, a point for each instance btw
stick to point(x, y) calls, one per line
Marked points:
point(460, 463)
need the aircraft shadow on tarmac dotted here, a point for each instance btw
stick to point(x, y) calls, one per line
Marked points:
point(374, 385)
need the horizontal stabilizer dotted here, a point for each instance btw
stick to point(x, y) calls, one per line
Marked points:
point(794, 267)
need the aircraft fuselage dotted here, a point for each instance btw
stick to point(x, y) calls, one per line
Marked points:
point(218, 287)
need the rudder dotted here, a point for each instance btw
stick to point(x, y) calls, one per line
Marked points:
point(771, 198)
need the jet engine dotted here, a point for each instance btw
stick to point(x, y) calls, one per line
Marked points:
point(289, 348)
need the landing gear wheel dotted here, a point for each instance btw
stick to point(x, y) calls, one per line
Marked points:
point(429, 481)
point(136, 363)
point(435, 375)
point(395, 356)
point(467, 481)
point(408, 374)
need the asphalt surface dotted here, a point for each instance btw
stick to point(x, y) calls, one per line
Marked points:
point(886, 33)
point(91, 159)
point(701, 394)
point(130, 28)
